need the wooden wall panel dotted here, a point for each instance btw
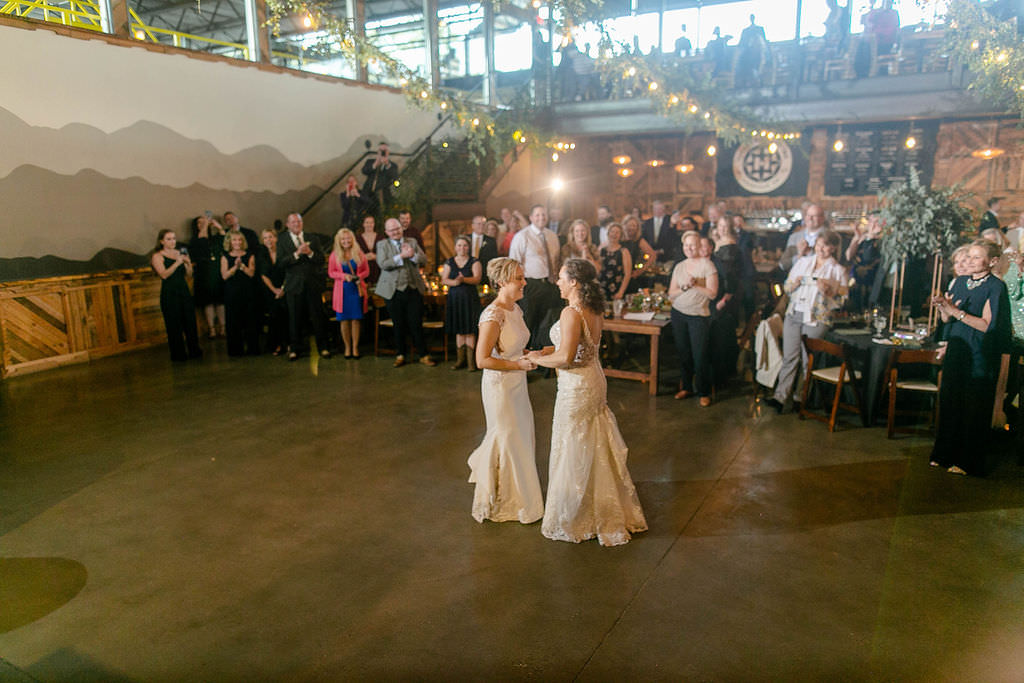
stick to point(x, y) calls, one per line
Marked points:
point(52, 322)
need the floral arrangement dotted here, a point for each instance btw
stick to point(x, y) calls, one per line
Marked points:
point(920, 221)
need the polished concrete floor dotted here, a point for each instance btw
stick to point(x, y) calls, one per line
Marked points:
point(254, 519)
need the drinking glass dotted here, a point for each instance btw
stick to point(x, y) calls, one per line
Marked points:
point(880, 323)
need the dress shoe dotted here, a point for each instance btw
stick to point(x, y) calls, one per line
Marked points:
point(325, 354)
point(772, 403)
point(399, 361)
point(683, 394)
point(428, 361)
point(955, 470)
point(705, 401)
point(292, 355)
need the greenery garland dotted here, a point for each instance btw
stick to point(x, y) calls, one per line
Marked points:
point(675, 93)
point(992, 51)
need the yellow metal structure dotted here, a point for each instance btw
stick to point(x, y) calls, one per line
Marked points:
point(78, 13)
point(85, 14)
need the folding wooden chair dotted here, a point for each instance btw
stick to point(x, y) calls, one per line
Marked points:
point(842, 375)
point(899, 360)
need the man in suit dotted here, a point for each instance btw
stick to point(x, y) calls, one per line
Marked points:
point(252, 241)
point(658, 232)
point(402, 287)
point(599, 232)
point(381, 173)
point(482, 247)
point(715, 211)
point(990, 219)
point(536, 248)
point(302, 257)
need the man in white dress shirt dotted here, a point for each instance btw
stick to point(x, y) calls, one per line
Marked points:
point(536, 248)
point(658, 231)
point(801, 242)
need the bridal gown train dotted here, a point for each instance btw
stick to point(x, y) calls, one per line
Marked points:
point(590, 492)
point(504, 465)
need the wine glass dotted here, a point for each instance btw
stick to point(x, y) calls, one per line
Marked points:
point(880, 322)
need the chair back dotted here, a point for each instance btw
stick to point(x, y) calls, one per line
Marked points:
point(821, 346)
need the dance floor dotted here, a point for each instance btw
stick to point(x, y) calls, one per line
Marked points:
point(254, 519)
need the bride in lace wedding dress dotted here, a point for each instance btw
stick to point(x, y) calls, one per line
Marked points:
point(504, 466)
point(590, 492)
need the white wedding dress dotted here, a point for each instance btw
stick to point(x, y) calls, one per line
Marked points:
point(590, 492)
point(504, 465)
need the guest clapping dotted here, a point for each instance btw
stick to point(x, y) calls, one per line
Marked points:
point(271, 277)
point(206, 247)
point(462, 273)
point(978, 310)
point(348, 267)
point(238, 268)
point(816, 286)
point(693, 286)
point(367, 240)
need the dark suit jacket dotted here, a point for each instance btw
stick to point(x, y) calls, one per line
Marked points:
point(301, 271)
point(668, 238)
point(988, 220)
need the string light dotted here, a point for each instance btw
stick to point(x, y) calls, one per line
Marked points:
point(684, 168)
point(712, 150)
point(911, 142)
point(625, 172)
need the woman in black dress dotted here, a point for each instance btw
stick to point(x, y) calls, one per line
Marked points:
point(238, 268)
point(865, 256)
point(462, 274)
point(367, 240)
point(206, 248)
point(172, 265)
point(271, 285)
point(977, 309)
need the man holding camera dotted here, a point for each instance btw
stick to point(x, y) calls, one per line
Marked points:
point(381, 173)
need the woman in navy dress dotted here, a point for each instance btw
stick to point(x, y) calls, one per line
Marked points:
point(462, 274)
point(172, 265)
point(238, 268)
point(348, 267)
point(977, 310)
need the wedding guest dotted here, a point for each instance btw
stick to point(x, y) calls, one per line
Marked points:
point(231, 222)
point(979, 311)
point(634, 241)
point(348, 267)
point(409, 230)
point(352, 203)
point(482, 247)
point(990, 219)
point(616, 265)
point(590, 492)
point(381, 173)
point(271, 276)
point(865, 257)
point(536, 248)
point(515, 223)
point(401, 285)
point(579, 245)
point(693, 286)
point(302, 257)
point(503, 466)
point(206, 246)
point(816, 286)
point(996, 236)
point(175, 299)
point(238, 268)
point(491, 229)
point(462, 273)
point(367, 240)
point(724, 252)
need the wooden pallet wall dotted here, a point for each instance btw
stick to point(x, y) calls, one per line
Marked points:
point(55, 321)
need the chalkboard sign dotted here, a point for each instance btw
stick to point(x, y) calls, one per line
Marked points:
point(876, 156)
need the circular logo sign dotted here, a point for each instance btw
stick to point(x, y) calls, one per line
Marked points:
point(758, 169)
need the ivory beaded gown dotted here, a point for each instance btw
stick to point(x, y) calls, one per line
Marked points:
point(590, 492)
point(504, 465)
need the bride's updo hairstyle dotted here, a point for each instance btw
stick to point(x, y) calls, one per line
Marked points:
point(501, 270)
point(585, 275)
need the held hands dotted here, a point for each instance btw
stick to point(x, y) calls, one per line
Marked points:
point(304, 250)
point(406, 251)
point(525, 363)
point(802, 247)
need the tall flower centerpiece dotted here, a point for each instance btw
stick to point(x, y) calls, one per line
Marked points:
point(920, 223)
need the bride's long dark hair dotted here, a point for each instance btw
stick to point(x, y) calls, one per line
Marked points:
point(585, 275)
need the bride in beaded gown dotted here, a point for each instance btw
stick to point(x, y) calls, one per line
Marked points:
point(504, 466)
point(590, 492)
